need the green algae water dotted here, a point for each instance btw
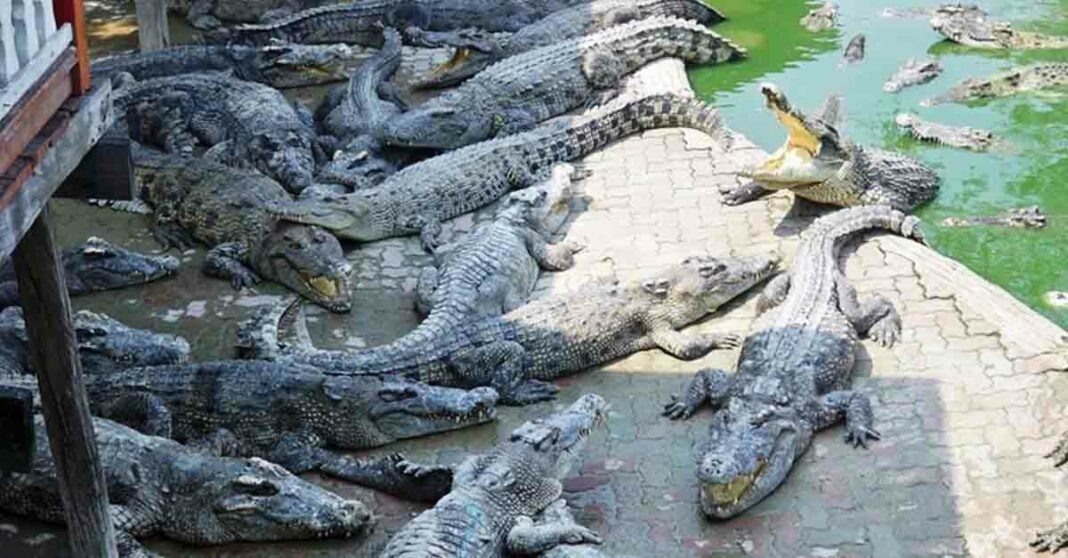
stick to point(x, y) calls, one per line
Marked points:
point(1031, 170)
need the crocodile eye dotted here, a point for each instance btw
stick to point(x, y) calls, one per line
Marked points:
point(390, 395)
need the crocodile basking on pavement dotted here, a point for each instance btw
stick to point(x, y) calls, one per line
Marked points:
point(519, 92)
point(912, 72)
point(969, 26)
point(549, 338)
point(260, 123)
point(355, 122)
point(290, 415)
point(280, 66)
point(104, 344)
point(158, 487)
point(819, 164)
point(793, 373)
point(495, 495)
point(951, 136)
point(224, 208)
point(577, 21)
point(97, 265)
point(1021, 79)
point(420, 196)
point(1021, 217)
point(427, 23)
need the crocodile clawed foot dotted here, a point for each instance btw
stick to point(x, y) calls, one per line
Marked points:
point(858, 435)
point(530, 392)
point(886, 331)
point(244, 278)
point(727, 341)
point(581, 535)
point(1059, 454)
point(678, 409)
point(1051, 540)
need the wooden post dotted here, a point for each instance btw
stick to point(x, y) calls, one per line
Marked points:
point(53, 351)
point(152, 31)
point(73, 12)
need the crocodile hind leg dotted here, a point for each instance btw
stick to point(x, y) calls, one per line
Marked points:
point(875, 317)
point(226, 261)
point(501, 366)
point(855, 408)
point(424, 290)
point(1051, 540)
point(742, 193)
point(1059, 455)
point(302, 452)
point(711, 386)
point(603, 70)
point(529, 537)
point(774, 293)
point(143, 412)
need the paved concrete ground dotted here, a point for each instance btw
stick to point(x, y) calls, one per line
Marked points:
point(967, 403)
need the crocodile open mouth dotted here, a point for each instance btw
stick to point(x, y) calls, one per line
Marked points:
point(459, 58)
point(328, 288)
point(730, 493)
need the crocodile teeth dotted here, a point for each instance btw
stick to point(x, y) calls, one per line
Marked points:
point(324, 286)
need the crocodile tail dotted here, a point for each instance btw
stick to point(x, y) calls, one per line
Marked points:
point(695, 10)
point(831, 229)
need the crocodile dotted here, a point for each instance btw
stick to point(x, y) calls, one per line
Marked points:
point(488, 511)
point(557, 514)
point(97, 265)
point(355, 123)
point(211, 108)
point(519, 352)
point(821, 18)
point(224, 208)
point(577, 21)
point(912, 72)
point(969, 26)
point(1054, 539)
point(291, 415)
point(818, 164)
point(420, 196)
point(793, 373)
point(426, 23)
point(517, 93)
point(158, 487)
point(953, 136)
point(211, 14)
point(1021, 217)
point(279, 66)
point(1021, 79)
point(854, 51)
point(104, 344)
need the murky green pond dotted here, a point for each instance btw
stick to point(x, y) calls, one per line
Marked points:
point(807, 66)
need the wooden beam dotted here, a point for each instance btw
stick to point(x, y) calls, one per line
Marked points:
point(24, 195)
point(54, 354)
point(152, 30)
point(34, 110)
point(32, 74)
point(73, 12)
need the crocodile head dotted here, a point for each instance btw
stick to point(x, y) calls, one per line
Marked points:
point(286, 156)
point(813, 152)
point(441, 124)
point(98, 265)
point(410, 410)
point(551, 445)
point(216, 501)
point(347, 216)
point(294, 65)
point(748, 454)
point(104, 344)
point(969, 26)
point(545, 206)
point(701, 284)
point(913, 72)
point(309, 261)
point(464, 63)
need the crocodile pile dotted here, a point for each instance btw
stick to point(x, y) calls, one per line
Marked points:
point(793, 373)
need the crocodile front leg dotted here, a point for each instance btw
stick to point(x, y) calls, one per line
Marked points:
point(742, 193)
point(552, 257)
point(689, 347)
point(528, 538)
point(711, 386)
point(226, 261)
point(501, 366)
point(425, 287)
point(875, 317)
point(774, 293)
point(1051, 540)
point(855, 408)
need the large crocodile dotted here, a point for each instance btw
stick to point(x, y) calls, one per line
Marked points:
point(549, 338)
point(1020, 217)
point(290, 415)
point(818, 164)
point(158, 487)
point(577, 21)
point(1022, 79)
point(223, 207)
point(280, 66)
point(952, 136)
point(912, 72)
point(517, 93)
point(969, 26)
point(97, 265)
point(792, 376)
point(356, 120)
point(210, 14)
point(487, 513)
point(420, 196)
point(423, 22)
point(104, 344)
point(1054, 539)
point(260, 122)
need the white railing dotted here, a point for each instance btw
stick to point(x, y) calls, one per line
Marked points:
point(29, 44)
